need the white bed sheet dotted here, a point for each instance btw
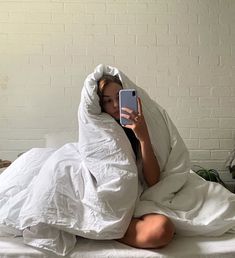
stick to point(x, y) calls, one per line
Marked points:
point(180, 247)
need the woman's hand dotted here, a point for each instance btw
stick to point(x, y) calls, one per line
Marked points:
point(138, 125)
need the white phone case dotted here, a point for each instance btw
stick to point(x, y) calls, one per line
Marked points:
point(127, 98)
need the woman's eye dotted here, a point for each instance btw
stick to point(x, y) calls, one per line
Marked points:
point(107, 101)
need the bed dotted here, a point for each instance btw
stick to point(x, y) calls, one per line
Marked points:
point(180, 247)
point(200, 246)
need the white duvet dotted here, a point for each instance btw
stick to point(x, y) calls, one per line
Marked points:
point(90, 188)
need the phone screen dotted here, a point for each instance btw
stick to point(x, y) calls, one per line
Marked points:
point(127, 98)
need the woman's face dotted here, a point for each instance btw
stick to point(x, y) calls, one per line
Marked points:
point(110, 99)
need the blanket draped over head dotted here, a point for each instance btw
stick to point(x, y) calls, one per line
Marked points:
point(90, 188)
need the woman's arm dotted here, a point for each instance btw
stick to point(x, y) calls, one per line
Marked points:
point(151, 170)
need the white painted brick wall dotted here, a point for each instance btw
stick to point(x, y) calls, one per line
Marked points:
point(181, 51)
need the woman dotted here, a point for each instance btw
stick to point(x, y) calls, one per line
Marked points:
point(150, 230)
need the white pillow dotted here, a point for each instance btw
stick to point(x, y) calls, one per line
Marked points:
point(58, 139)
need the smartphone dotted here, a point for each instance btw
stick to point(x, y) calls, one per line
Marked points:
point(127, 98)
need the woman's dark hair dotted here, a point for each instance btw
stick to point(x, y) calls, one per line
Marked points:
point(104, 81)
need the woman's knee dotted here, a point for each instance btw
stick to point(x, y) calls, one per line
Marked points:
point(160, 231)
point(165, 230)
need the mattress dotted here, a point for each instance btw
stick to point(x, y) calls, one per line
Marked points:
point(180, 247)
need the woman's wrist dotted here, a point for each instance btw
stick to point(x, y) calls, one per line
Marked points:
point(145, 139)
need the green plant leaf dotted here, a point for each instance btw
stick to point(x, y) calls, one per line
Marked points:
point(209, 174)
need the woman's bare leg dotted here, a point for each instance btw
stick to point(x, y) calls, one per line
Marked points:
point(149, 231)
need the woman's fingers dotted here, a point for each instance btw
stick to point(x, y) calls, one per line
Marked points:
point(139, 106)
point(128, 110)
point(128, 116)
point(132, 117)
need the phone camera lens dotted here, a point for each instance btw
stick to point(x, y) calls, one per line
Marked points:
point(133, 93)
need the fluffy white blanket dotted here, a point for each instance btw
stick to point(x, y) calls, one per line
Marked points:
point(87, 189)
point(90, 188)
